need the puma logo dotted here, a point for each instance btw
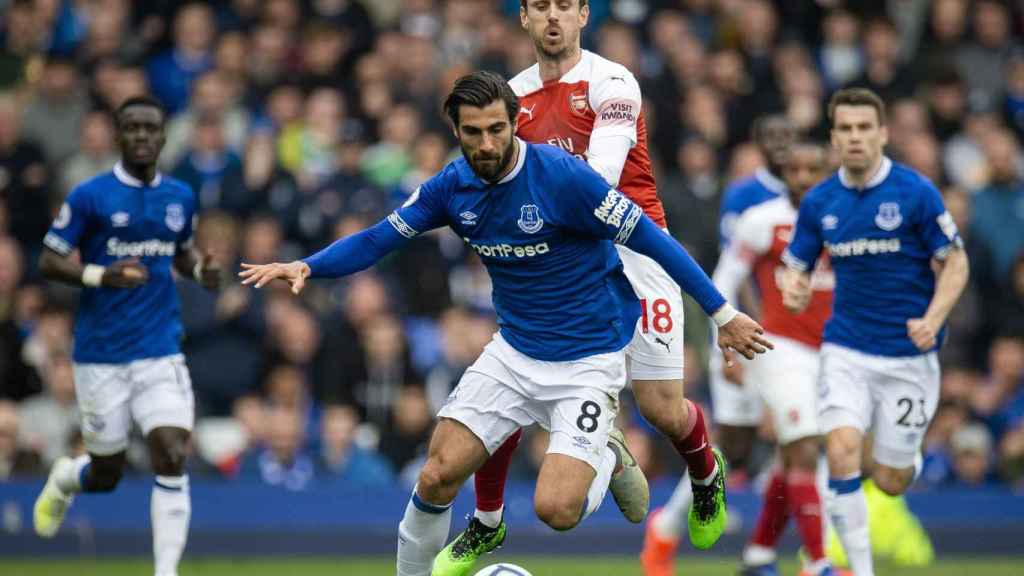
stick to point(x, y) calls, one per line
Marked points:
point(665, 344)
point(527, 111)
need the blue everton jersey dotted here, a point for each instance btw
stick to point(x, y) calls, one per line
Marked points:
point(880, 240)
point(545, 232)
point(112, 217)
point(746, 193)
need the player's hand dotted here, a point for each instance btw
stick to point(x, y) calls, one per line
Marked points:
point(128, 273)
point(733, 372)
point(210, 274)
point(743, 335)
point(923, 333)
point(796, 290)
point(295, 273)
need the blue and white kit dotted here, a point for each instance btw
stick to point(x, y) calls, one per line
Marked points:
point(127, 359)
point(881, 240)
point(546, 233)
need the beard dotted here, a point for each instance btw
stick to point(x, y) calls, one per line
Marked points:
point(489, 171)
point(555, 53)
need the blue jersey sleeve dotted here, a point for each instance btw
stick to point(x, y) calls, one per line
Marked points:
point(937, 229)
point(184, 242)
point(423, 211)
point(587, 204)
point(807, 240)
point(732, 207)
point(583, 201)
point(70, 223)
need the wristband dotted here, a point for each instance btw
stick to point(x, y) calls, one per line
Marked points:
point(724, 315)
point(92, 275)
point(197, 271)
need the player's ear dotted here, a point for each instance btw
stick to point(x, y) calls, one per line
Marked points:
point(524, 21)
point(584, 14)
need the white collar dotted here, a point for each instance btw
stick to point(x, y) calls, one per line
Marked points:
point(884, 168)
point(520, 160)
point(769, 181)
point(127, 179)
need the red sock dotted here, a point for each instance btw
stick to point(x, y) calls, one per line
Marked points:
point(490, 478)
point(695, 447)
point(805, 505)
point(774, 512)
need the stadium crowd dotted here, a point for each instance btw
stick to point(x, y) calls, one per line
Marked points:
point(300, 121)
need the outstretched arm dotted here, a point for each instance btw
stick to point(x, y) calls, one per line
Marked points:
point(736, 330)
point(343, 257)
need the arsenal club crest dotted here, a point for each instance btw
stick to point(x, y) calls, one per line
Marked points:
point(578, 103)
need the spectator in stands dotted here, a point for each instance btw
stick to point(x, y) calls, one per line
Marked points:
point(1000, 400)
point(172, 72)
point(998, 211)
point(213, 95)
point(691, 194)
point(48, 419)
point(840, 56)
point(950, 416)
point(284, 462)
point(17, 380)
point(405, 440)
point(342, 460)
point(983, 61)
point(972, 455)
point(95, 153)
point(14, 461)
point(308, 149)
point(212, 170)
point(884, 72)
point(24, 180)
point(947, 103)
point(53, 118)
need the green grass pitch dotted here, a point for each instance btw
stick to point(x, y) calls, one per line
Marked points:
point(539, 566)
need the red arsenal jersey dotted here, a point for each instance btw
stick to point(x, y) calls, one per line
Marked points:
point(762, 235)
point(596, 97)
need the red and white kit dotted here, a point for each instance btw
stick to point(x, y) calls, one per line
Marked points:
point(786, 378)
point(594, 113)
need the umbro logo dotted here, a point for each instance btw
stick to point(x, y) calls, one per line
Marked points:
point(119, 219)
point(829, 222)
point(468, 218)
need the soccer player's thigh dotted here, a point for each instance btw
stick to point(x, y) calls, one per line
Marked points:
point(845, 406)
point(579, 414)
point(906, 400)
point(788, 381)
point(103, 392)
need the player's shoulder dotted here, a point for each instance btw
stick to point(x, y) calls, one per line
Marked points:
point(179, 188)
point(455, 174)
point(818, 195)
point(605, 77)
point(906, 177)
point(527, 82)
point(767, 212)
point(738, 189)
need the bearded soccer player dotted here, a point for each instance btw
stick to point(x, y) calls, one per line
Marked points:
point(131, 226)
point(591, 108)
point(545, 225)
point(900, 267)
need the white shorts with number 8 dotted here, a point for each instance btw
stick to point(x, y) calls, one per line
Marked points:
point(656, 351)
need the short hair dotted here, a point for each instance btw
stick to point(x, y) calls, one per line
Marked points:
point(522, 4)
point(140, 100)
point(479, 89)
point(856, 97)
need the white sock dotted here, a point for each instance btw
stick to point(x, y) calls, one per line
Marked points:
point(421, 535)
point(706, 481)
point(170, 510)
point(757, 555)
point(669, 523)
point(849, 511)
point(69, 479)
point(599, 485)
point(489, 518)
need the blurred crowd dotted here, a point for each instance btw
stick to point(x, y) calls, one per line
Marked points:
point(300, 121)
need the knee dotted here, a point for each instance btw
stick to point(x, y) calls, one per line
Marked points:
point(435, 485)
point(103, 478)
point(171, 462)
point(559, 512)
point(890, 481)
point(844, 451)
point(801, 455)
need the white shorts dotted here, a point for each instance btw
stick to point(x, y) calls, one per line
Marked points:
point(787, 378)
point(575, 401)
point(733, 404)
point(896, 397)
point(154, 392)
point(656, 351)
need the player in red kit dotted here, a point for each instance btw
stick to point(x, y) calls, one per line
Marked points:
point(591, 107)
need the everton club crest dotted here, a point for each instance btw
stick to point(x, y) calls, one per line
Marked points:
point(529, 219)
point(888, 217)
point(175, 217)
